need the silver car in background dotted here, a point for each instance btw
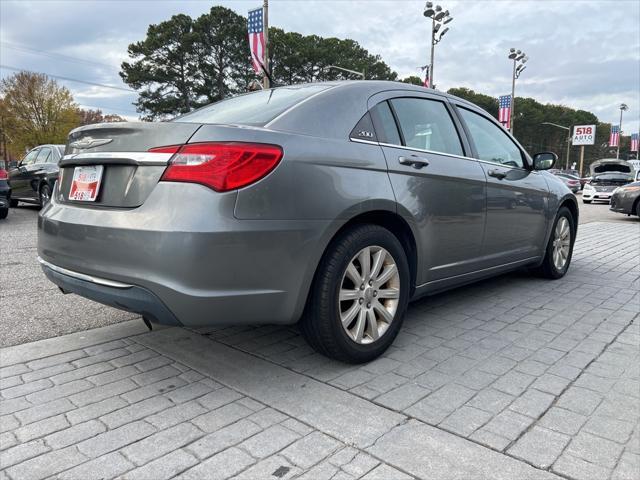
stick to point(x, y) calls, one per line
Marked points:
point(606, 176)
point(332, 204)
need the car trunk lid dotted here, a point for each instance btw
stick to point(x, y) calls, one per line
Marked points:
point(129, 170)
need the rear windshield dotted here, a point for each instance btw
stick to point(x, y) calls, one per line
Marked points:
point(257, 108)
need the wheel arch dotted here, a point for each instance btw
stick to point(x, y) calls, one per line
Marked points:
point(390, 220)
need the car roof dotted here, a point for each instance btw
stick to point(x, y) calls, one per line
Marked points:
point(336, 110)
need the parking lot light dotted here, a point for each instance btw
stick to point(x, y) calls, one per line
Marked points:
point(519, 59)
point(439, 17)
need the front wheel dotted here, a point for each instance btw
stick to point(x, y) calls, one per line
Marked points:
point(586, 201)
point(359, 295)
point(13, 203)
point(560, 247)
point(3, 213)
point(45, 194)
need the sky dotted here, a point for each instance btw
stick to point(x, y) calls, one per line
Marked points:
point(582, 54)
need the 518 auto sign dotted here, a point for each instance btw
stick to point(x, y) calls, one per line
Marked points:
point(584, 135)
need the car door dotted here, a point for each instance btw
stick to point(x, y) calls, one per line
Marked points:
point(19, 176)
point(38, 171)
point(439, 188)
point(517, 196)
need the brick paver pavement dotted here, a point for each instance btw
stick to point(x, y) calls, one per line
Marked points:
point(515, 377)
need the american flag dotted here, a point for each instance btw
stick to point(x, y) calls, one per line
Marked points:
point(427, 82)
point(256, 39)
point(634, 142)
point(614, 137)
point(504, 112)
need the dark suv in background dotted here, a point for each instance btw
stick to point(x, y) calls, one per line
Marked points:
point(33, 178)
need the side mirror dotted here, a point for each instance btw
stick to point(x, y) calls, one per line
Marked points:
point(544, 160)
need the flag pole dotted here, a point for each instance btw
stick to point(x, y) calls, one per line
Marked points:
point(265, 13)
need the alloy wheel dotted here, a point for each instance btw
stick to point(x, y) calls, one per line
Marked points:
point(561, 243)
point(369, 295)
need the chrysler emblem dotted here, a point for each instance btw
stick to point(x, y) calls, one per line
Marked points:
point(88, 142)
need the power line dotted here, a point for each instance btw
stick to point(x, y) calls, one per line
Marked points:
point(61, 56)
point(59, 77)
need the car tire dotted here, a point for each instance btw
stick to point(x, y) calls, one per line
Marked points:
point(369, 333)
point(586, 201)
point(13, 203)
point(638, 208)
point(555, 263)
point(3, 213)
point(44, 194)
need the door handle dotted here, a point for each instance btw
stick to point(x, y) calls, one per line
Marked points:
point(414, 161)
point(497, 174)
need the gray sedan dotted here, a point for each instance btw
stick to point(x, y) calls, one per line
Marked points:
point(332, 204)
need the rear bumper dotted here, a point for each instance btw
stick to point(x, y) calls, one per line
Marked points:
point(115, 294)
point(184, 249)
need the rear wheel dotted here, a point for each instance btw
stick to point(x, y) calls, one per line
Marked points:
point(3, 213)
point(586, 201)
point(560, 247)
point(45, 194)
point(359, 295)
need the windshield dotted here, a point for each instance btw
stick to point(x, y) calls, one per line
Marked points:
point(257, 108)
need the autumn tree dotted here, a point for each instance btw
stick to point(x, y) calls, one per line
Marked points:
point(35, 110)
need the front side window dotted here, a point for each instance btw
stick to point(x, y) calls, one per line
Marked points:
point(30, 158)
point(491, 141)
point(427, 125)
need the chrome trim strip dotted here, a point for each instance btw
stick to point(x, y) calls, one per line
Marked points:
point(427, 151)
point(368, 142)
point(82, 276)
point(157, 158)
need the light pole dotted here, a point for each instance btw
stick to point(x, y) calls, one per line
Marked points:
point(568, 129)
point(355, 72)
point(623, 107)
point(519, 59)
point(439, 18)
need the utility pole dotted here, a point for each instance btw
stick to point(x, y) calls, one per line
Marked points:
point(623, 107)
point(513, 97)
point(433, 47)
point(265, 13)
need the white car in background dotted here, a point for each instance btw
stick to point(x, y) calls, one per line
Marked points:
point(607, 175)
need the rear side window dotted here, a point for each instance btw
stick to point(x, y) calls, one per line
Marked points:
point(427, 125)
point(44, 155)
point(257, 108)
point(386, 128)
point(491, 141)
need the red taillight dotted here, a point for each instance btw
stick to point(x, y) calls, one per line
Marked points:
point(221, 166)
point(3, 174)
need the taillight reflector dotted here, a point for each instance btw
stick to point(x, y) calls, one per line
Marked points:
point(222, 166)
point(3, 174)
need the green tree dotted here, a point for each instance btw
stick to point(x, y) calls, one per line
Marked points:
point(413, 80)
point(222, 54)
point(35, 110)
point(165, 69)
